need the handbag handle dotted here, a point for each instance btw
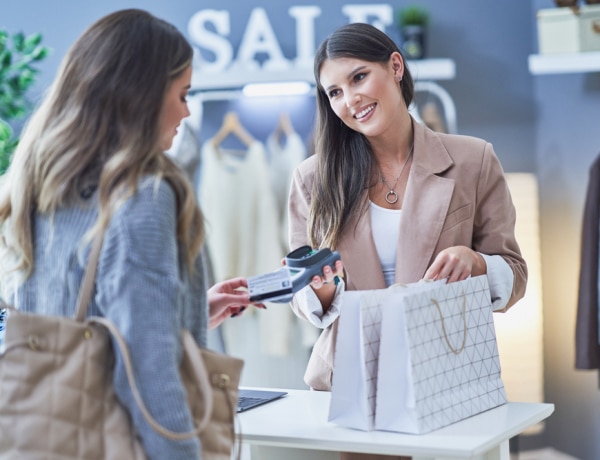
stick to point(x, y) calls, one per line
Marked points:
point(456, 351)
point(198, 369)
point(89, 278)
point(188, 344)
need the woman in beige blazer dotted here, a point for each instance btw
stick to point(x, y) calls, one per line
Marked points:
point(397, 200)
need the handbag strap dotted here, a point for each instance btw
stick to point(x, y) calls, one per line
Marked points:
point(89, 278)
point(197, 368)
point(188, 343)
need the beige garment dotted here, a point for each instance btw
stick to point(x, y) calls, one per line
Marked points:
point(456, 195)
point(243, 236)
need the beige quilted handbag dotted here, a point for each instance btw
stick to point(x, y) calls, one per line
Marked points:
point(56, 389)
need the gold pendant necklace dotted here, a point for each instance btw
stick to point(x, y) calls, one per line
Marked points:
point(392, 197)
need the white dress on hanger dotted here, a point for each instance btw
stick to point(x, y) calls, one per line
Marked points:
point(243, 231)
point(284, 157)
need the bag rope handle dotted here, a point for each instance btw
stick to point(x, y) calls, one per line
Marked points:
point(456, 351)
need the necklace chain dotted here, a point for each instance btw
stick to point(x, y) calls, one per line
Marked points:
point(392, 197)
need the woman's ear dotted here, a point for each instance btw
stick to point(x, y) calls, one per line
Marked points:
point(397, 65)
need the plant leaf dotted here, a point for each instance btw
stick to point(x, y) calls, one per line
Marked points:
point(19, 41)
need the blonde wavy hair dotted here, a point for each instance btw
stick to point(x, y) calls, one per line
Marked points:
point(99, 125)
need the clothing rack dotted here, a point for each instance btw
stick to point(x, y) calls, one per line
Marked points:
point(443, 96)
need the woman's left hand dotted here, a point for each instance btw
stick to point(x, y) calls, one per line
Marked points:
point(228, 298)
point(456, 263)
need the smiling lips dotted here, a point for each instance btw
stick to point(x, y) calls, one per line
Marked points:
point(363, 113)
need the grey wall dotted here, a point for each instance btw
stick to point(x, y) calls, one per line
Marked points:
point(543, 124)
point(567, 109)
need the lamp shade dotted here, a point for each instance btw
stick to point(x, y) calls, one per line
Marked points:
point(519, 331)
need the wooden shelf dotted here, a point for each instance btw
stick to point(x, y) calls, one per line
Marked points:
point(432, 69)
point(546, 64)
point(235, 78)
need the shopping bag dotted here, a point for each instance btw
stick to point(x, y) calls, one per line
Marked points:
point(438, 357)
point(355, 366)
point(354, 381)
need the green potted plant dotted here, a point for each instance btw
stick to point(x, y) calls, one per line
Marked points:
point(18, 56)
point(413, 21)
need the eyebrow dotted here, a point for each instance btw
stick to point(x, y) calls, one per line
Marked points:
point(349, 75)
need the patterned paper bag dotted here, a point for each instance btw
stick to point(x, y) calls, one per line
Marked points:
point(438, 357)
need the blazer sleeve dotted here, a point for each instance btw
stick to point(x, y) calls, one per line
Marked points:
point(494, 223)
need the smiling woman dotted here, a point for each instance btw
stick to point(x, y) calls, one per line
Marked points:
point(399, 202)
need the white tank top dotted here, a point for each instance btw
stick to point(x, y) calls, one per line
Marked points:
point(385, 224)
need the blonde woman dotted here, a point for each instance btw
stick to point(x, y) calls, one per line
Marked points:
point(92, 159)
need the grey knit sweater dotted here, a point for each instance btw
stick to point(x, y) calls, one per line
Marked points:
point(141, 287)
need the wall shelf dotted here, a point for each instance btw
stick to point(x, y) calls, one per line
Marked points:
point(235, 77)
point(546, 64)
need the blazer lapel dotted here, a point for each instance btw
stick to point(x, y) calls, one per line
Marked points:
point(425, 206)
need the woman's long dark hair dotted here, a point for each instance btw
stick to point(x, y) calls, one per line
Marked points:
point(344, 155)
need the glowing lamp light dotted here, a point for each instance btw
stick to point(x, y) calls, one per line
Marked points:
point(292, 88)
point(519, 331)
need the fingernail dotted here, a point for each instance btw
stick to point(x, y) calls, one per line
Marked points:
point(238, 313)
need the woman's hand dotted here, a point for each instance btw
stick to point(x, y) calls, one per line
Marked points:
point(324, 286)
point(456, 264)
point(226, 299)
point(329, 275)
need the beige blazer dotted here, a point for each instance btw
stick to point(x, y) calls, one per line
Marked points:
point(456, 195)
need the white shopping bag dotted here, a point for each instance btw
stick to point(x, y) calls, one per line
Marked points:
point(438, 357)
point(355, 367)
point(355, 362)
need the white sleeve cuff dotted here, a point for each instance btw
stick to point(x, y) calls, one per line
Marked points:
point(500, 279)
point(311, 307)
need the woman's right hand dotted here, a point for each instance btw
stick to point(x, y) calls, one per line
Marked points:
point(324, 286)
point(228, 298)
point(328, 276)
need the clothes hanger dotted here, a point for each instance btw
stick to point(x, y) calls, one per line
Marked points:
point(232, 125)
point(284, 124)
point(284, 127)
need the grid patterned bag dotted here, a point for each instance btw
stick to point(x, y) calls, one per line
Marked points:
point(438, 358)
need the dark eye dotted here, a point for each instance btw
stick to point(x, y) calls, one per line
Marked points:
point(333, 93)
point(359, 76)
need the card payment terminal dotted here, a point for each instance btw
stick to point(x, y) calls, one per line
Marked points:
point(280, 285)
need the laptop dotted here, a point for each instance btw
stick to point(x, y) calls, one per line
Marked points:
point(249, 399)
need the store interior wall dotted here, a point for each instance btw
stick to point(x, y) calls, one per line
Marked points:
point(545, 124)
point(567, 142)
